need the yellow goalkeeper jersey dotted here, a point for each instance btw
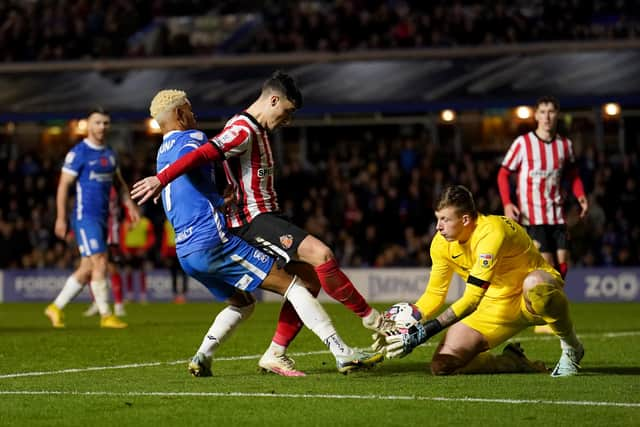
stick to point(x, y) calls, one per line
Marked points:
point(498, 255)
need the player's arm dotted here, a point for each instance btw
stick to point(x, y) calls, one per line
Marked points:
point(62, 195)
point(226, 141)
point(478, 281)
point(577, 188)
point(510, 163)
point(439, 279)
point(123, 190)
point(510, 209)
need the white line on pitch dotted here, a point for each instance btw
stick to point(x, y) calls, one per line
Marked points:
point(325, 396)
point(257, 356)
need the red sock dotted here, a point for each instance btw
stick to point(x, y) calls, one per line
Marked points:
point(129, 280)
point(143, 283)
point(338, 286)
point(289, 323)
point(563, 268)
point(116, 287)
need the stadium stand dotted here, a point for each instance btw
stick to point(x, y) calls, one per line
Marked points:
point(368, 184)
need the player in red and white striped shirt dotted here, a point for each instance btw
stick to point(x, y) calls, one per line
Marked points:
point(542, 159)
point(249, 166)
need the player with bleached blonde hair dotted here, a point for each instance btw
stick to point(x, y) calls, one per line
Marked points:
point(228, 266)
point(244, 146)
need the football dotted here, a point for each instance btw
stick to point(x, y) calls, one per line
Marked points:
point(403, 314)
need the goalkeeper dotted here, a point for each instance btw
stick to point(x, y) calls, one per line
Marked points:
point(509, 287)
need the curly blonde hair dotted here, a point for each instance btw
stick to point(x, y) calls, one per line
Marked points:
point(166, 100)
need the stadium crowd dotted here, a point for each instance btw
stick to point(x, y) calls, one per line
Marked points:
point(370, 199)
point(63, 29)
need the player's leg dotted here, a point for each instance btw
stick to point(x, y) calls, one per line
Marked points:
point(560, 238)
point(100, 289)
point(72, 287)
point(279, 237)
point(116, 287)
point(334, 282)
point(240, 307)
point(544, 298)
point(289, 324)
point(317, 320)
point(465, 348)
point(544, 239)
point(142, 278)
point(229, 277)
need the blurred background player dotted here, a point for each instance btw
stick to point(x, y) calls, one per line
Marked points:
point(136, 238)
point(509, 287)
point(256, 216)
point(542, 159)
point(170, 260)
point(92, 166)
point(227, 265)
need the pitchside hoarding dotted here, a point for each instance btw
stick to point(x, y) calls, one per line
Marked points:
point(376, 285)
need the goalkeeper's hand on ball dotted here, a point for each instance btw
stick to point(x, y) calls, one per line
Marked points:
point(401, 344)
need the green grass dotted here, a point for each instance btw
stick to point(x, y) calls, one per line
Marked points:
point(399, 392)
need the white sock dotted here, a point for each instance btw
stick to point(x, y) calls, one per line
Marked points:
point(315, 318)
point(101, 296)
point(69, 291)
point(223, 326)
point(276, 349)
point(570, 341)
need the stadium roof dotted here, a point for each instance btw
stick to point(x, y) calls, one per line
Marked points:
point(378, 85)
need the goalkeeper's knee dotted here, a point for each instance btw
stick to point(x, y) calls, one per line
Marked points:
point(548, 301)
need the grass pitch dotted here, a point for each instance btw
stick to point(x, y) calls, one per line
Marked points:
point(86, 376)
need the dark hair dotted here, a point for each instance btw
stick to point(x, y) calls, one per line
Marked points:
point(97, 109)
point(459, 197)
point(548, 99)
point(285, 84)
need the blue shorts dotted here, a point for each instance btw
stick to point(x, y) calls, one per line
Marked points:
point(227, 267)
point(91, 236)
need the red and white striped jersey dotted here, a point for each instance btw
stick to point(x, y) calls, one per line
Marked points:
point(540, 166)
point(249, 168)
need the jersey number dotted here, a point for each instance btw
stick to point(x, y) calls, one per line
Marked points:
point(167, 197)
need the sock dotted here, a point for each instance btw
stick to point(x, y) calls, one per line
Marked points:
point(563, 268)
point(552, 305)
point(276, 349)
point(223, 326)
point(129, 281)
point(100, 291)
point(337, 346)
point(338, 286)
point(289, 324)
point(116, 287)
point(143, 284)
point(69, 291)
point(315, 318)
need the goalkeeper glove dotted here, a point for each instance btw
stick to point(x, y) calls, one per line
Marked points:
point(400, 345)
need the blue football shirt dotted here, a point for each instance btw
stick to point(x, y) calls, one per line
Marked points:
point(191, 201)
point(94, 167)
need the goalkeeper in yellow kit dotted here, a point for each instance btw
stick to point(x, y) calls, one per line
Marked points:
point(509, 287)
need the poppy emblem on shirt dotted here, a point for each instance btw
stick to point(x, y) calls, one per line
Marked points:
point(485, 260)
point(104, 161)
point(286, 241)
